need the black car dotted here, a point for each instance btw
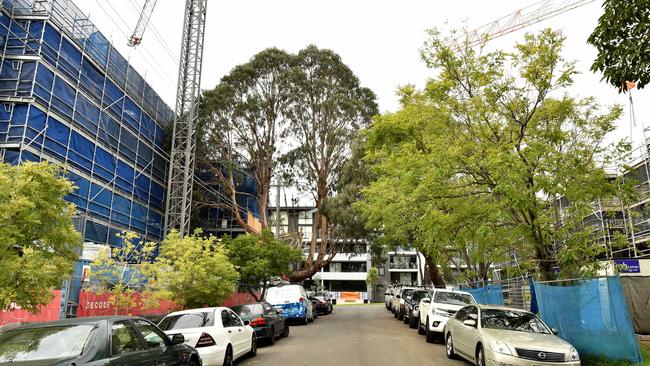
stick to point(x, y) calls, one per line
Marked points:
point(411, 307)
point(268, 323)
point(321, 306)
point(113, 341)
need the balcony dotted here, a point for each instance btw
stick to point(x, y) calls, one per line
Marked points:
point(403, 266)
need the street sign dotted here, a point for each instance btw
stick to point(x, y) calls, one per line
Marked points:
point(628, 265)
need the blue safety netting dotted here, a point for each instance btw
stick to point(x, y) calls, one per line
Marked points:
point(592, 316)
point(490, 294)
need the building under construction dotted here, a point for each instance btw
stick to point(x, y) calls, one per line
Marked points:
point(68, 97)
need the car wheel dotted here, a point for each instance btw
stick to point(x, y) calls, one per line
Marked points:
point(253, 351)
point(412, 322)
point(480, 356)
point(400, 316)
point(286, 331)
point(272, 336)
point(406, 320)
point(227, 359)
point(420, 329)
point(428, 334)
point(394, 314)
point(449, 345)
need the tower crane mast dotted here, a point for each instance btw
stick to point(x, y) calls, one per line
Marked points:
point(143, 21)
point(519, 19)
point(182, 157)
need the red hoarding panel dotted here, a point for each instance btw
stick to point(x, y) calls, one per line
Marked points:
point(51, 311)
point(93, 304)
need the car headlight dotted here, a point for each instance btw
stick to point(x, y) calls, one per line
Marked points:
point(573, 354)
point(442, 313)
point(500, 347)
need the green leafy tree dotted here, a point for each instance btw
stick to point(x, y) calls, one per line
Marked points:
point(622, 38)
point(327, 108)
point(122, 272)
point(242, 119)
point(38, 243)
point(195, 270)
point(372, 278)
point(510, 135)
point(260, 258)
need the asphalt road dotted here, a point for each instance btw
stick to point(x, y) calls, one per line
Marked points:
point(353, 335)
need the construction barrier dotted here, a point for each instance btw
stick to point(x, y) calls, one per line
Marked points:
point(591, 315)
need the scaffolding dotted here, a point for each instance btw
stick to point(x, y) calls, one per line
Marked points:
point(69, 97)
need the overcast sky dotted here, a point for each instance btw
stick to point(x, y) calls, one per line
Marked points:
point(378, 39)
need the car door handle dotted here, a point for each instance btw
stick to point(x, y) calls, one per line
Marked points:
point(229, 331)
point(240, 329)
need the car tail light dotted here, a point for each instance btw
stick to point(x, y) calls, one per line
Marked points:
point(205, 340)
point(302, 299)
point(257, 322)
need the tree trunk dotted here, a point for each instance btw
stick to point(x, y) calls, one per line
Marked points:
point(434, 272)
point(252, 293)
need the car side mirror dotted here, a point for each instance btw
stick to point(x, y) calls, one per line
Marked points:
point(426, 300)
point(470, 323)
point(178, 339)
point(555, 331)
point(247, 322)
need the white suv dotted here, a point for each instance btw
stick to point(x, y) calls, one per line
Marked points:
point(437, 308)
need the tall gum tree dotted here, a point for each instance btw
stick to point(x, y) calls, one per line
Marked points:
point(327, 108)
point(242, 119)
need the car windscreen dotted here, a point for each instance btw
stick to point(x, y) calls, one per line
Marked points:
point(250, 309)
point(187, 320)
point(45, 343)
point(417, 296)
point(280, 295)
point(520, 321)
point(453, 298)
point(406, 293)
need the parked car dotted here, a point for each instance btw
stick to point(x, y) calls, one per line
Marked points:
point(321, 304)
point(327, 297)
point(114, 340)
point(388, 297)
point(292, 302)
point(496, 335)
point(437, 308)
point(400, 298)
point(267, 322)
point(218, 334)
point(412, 307)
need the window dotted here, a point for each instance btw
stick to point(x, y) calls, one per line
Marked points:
point(382, 271)
point(189, 320)
point(225, 319)
point(152, 336)
point(234, 320)
point(461, 314)
point(123, 340)
point(44, 343)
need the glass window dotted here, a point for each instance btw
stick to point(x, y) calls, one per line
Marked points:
point(152, 336)
point(184, 321)
point(461, 314)
point(43, 343)
point(226, 319)
point(123, 340)
point(251, 309)
point(520, 321)
point(234, 320)
point(453, 298)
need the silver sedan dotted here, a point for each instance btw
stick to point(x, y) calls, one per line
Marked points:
point(495, 335)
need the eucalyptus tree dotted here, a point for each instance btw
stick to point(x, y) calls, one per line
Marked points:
point(327, 107)
point(242, 120)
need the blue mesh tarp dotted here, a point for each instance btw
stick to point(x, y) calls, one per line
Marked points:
point(592, 316)
point(491, 294)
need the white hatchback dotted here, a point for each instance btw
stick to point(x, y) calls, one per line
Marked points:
point(218, 334)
